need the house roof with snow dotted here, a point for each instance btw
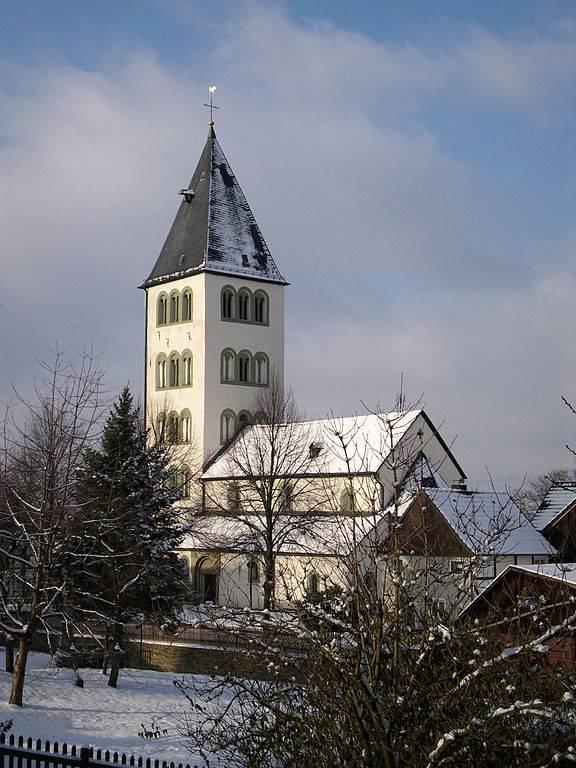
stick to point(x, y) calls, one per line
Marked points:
point(335, 446)
point(490, 522)
point(214, 229)
point(561, 573)
point(558, 498)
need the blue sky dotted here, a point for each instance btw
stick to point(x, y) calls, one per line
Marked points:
point(411, 164)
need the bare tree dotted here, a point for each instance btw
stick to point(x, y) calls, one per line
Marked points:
point(260, 496)
point(44, 438)
point(373, 672)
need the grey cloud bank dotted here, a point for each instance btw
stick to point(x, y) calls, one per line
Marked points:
point(402, 255)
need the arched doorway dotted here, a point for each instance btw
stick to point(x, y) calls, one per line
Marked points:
point(205, 579)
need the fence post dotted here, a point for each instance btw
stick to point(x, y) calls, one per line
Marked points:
point(84, 757)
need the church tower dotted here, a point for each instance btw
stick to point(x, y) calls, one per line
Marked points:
point(214, 315)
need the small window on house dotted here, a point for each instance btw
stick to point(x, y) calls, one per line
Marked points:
point(260, 307)
point(233, 497)
point(456, 566)
point(253, 571)
point(174, 307)
point(287, 497)
point(162, 309)
point(174, 371)
point(187, 369)
point(439, 608)
point(244, 367)
point(228, 362)
point(187, 305)
point(245, 262)
point(313, 584)
point(539, 559)
point(227, 426)
point(244, 304)
point(314, 450)
point(228, 295)
point(347, 500)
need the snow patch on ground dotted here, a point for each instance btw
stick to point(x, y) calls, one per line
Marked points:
point(97, 715)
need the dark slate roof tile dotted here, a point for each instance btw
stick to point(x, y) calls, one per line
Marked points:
point(215, 231)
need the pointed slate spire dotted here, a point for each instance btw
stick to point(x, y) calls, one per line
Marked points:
point(214, 229)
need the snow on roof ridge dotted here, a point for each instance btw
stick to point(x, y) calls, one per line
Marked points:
point(333, 419)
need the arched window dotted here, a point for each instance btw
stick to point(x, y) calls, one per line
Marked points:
point(161, 372)
point(260, 417)
point(244, 418)
point(260, 307)
point(347, 500)
point(185, 427)
point(244, 364)
point(174, 306)
point(253, 571)
point(228, 365)
point(261, 369)
point(173, 370)
point(313, 584)
point(287, 497)
point(172, 428)
point(162, 309)
point(227, 425)
point(185, 478)
point(228, 298)
point(186, 367)
point(233, 497)
point(244, 302)
point(187, 305)
point(161, 428)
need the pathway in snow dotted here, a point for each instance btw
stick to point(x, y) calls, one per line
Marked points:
point(97, 715)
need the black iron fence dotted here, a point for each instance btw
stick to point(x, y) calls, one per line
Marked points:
point(18, 752)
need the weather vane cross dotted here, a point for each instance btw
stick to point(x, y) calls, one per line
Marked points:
point(211, 91)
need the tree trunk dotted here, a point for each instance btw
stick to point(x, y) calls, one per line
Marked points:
point(9, 661)
point(106, 656)
point(269, 575)
point(19, 672)
point(115, 658)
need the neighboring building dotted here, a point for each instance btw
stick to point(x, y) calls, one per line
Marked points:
point(556, 519)
point(513, 596)
point(214, 315)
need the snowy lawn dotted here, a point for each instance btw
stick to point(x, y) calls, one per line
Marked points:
point(97, 715)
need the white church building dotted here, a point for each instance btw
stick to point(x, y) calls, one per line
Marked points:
point(214, 343)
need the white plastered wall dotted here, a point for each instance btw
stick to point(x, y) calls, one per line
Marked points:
point(418, 438)
point(206, 335)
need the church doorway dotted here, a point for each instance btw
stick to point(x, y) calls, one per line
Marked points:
point(206, 573)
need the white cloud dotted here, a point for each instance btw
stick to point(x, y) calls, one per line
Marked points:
point(401, 256)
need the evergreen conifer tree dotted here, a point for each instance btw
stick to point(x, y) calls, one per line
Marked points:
point(131, 528)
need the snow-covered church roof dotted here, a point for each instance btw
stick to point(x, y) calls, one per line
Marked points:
point(336, 446)
point(214, 229)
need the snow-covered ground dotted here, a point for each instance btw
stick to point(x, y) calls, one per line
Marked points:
point(97, 715)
